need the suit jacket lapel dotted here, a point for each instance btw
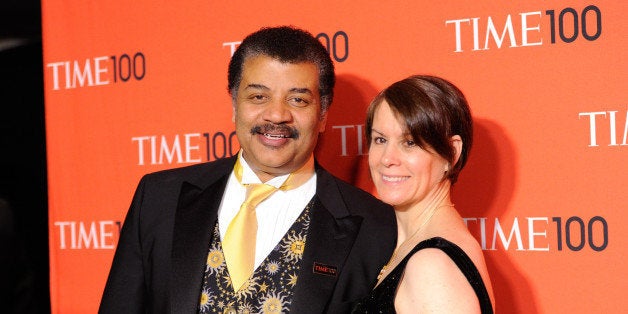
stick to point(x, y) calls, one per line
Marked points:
point(194, 222)
point(331, 235)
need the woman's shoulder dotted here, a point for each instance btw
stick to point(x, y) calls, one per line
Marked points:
point(447, 261)
point(465, 241)
point(441, 253)
point(432, 274)
point(450, 233)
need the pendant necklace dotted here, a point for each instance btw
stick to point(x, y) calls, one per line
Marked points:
point(404, 246)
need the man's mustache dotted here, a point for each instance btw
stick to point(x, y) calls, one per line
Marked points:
point(276, 129)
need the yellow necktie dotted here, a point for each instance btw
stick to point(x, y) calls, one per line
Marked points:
point(238, 245)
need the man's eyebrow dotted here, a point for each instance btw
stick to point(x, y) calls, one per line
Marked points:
point(257, 86)
point(303, 90)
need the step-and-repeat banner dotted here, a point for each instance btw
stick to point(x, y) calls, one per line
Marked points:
point(134, 87)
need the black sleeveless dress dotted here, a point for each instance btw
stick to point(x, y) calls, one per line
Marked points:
point(382, 298)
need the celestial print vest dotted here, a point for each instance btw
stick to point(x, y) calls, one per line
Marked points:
point(271, 286)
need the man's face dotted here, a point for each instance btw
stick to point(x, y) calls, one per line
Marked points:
point(277, 114)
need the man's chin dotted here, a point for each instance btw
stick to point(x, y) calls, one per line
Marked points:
point(271, 161)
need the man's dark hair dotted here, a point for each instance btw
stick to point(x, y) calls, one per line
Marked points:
point(286, 44)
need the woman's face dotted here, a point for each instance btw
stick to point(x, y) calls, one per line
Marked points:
point(404, 174)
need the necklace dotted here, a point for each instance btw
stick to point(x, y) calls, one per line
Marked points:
point(405, 245)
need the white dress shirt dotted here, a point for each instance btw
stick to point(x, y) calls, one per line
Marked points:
point(275, 215)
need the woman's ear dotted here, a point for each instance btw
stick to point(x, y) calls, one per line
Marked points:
point(456, 143)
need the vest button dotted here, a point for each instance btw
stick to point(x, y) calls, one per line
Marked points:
point(230, 310)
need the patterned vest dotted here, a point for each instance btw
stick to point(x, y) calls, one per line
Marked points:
point(271, 286)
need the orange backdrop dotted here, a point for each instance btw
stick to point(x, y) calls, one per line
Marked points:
point(138, 86)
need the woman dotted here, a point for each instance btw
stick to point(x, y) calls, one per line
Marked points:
point(419, 132)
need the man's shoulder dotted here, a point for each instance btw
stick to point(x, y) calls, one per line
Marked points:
point(202, 171)
point(354, 197)
point(344, 199)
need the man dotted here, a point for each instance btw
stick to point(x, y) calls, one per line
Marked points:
point(319, 243)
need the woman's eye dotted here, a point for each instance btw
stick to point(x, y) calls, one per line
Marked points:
point(379, 140)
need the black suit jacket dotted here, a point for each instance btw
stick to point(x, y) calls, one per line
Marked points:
point(160, 259)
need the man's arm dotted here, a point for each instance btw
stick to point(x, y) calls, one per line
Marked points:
point(125, 288)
